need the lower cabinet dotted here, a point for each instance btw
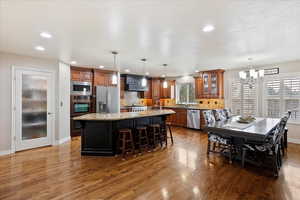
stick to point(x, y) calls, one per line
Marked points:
point(178, 119)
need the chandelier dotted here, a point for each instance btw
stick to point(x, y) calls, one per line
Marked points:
point(249, 77)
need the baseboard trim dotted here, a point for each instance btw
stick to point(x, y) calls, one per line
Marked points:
point(295, 141)
point(7, 152)
point(63, 140)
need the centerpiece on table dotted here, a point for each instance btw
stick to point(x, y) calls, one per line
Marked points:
point(246, 119)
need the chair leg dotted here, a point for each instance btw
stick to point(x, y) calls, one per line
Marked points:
point(230, 154)
point(244, 151)
point(282, 147)
point(285, 138)
point(123, 145)
point(208, 147)
point(214, 146)
point(170, 130)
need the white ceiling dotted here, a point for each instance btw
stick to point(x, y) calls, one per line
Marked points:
point(163, 31)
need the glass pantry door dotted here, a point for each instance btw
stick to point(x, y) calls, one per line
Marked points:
point(34, 118)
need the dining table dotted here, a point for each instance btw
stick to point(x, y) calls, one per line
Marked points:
point(255, 131)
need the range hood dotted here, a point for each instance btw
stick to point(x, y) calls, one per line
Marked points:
point(134, 83)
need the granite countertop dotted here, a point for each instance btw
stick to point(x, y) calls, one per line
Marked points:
point(122, 116)
point(186, 107)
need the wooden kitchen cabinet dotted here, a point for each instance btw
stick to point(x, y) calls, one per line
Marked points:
point(179, 118)
point(103, 77)
point(155, 90)
point(122, 87)
point(210, 84)
point(165, 93)
point(81, 74)
point(148, 93)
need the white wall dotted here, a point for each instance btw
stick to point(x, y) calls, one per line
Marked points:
point(286, 67)
point(64, 102)
point(6, 63)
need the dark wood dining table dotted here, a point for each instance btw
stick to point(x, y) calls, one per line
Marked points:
point(257, 130)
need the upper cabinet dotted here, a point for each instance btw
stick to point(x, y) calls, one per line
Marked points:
point(103, 77)
point(166, 93)
point(122, 87)
point(156, 90)
point(148, 93)
point(81, 74)
point(210, 84)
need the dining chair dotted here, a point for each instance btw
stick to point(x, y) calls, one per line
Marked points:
point(219, 144)
point(227, 112)
point(268, 151)
point(219, 114)
point(283, 132)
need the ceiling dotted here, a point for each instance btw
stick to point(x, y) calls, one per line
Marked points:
point(168, 31)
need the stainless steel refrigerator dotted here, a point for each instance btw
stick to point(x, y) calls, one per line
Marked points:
point(107, 99)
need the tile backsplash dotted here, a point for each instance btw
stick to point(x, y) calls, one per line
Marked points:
point(131, 98)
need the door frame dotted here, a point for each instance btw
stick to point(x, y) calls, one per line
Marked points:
point(13, 104)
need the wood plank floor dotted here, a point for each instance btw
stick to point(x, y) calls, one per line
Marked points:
point(181, 171)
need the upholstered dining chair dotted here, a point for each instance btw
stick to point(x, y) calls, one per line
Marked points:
point(219, 114)
point(216, 143)
point(227, 112)
point(272, 149)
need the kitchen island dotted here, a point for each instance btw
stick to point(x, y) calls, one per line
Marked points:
point(99, 131)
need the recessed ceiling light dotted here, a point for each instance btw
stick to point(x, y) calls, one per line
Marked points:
point(147, 73)
point(101, 66)
point(127, 70)
point(197, 71)
point(163, 75)
point(45, 35)
point(208, 28)
point(39, 48)
point(73, 62)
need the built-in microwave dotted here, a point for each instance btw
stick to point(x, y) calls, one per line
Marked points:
point(81, 88)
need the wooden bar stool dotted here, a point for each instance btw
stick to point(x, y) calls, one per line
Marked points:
point(142, 140)
point(126, 140)
point(154, 135)
point(169, 124)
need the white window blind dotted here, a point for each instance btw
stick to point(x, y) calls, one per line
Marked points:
point(281, 95)
point(244, 98)
point(291, 97)
point(236, 97)
point(272, 98)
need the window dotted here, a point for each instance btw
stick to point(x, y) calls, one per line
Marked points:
point(185, 93)
point(243, 98)
point(272, 98)
point(236, 97)
point(282, 95)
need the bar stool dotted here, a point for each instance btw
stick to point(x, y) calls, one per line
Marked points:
point(126, 140)
point(142, 140)
point(154, 135)
point(169, 124)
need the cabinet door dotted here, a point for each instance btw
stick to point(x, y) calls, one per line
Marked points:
point(75, 75)
point(148, 94)
point(122, 87)
point(214, 85)
point(198, 87)
point(155, 89)
point(206, 85)
point(86, 76)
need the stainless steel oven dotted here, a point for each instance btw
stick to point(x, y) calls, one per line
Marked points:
point(81, 88)
point(81, 107)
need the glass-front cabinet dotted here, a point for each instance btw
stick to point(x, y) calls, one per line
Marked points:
point(209, 84)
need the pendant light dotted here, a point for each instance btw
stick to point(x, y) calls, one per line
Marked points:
point(165, 83)
point(144, 80)
point(114, 79)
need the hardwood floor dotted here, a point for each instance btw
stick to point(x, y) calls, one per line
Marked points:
point(181, 171)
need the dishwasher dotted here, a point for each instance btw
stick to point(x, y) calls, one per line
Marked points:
point(193, 119)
